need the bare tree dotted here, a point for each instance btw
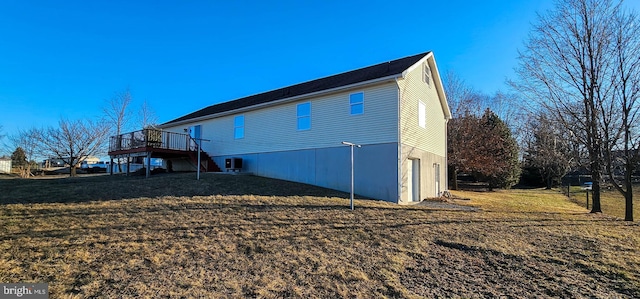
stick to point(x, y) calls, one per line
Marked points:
point(118, 115)
point(147, 117)
point(2, 143)
point(622, 149)
point(510, 108)
point(74, 141)
point(27, 141)
point(547, 149)
point(566, 65)
point(462, 99)
point(117, 111)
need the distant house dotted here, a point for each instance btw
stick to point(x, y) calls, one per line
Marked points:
point(60, 162)
point(5, 165)
point(396, 110)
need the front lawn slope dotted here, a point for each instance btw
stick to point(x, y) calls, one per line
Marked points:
point(243, 236)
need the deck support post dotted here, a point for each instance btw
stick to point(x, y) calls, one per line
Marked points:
point(128, 164)
point(148, 164)
point(111, 166)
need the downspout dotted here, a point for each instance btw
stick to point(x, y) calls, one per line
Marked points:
point(399, 168)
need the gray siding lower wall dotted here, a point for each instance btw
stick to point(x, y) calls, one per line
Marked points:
point(376, 174)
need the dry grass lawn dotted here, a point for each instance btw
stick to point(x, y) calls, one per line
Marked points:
point(241, 236)
point(611, 201)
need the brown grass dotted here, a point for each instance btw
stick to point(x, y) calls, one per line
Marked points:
point(243, 236)
point(611, 201)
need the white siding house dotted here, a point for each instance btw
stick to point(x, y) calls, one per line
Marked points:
point(5, 165)
point(396, 110)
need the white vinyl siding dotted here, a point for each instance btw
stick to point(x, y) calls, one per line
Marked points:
point(422, 114)
point(356, 103)
point(275, 128)
point(303, 112)
point(413, 90)
point(238, 127)
point(427, 144)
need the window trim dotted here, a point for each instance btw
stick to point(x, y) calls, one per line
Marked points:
point(302, 116)
point(352, 104)
point(236, 126)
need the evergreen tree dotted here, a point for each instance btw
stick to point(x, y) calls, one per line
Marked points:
point(493, 153)
point(18, 158)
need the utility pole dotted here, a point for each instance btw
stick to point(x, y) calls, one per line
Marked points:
point(351, 145)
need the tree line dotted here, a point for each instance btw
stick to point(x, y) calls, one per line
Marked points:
point(576, 93)
point(72, 141)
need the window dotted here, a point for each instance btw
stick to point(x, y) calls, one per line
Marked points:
point(422, 114)
point(238, 127)
point(356, 102)
point(304, 116)
point(427, 74)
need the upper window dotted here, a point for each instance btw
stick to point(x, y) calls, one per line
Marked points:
point(238, 127)
point(422, 114)
point(427, 74)
point(304, 116)
point(356, 103)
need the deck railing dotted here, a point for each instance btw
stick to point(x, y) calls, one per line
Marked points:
point(151, 138)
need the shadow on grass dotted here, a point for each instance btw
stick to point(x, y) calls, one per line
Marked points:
point(105, 187)
point(234, 216)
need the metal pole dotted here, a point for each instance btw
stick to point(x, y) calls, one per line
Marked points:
point(352, 172)
point(198, 143)
point(351, 146)
point(587, 199)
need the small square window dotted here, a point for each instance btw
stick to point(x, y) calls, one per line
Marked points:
point(356, 103)
point(238, 127)
point(304, 116)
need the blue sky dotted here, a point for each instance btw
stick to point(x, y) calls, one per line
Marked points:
point(65, 58)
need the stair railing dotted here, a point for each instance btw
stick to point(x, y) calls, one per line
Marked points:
point(194, 144)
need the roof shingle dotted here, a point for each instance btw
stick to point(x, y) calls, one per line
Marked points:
point(377, 71)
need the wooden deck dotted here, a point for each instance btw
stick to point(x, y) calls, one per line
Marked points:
point(151, 141)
